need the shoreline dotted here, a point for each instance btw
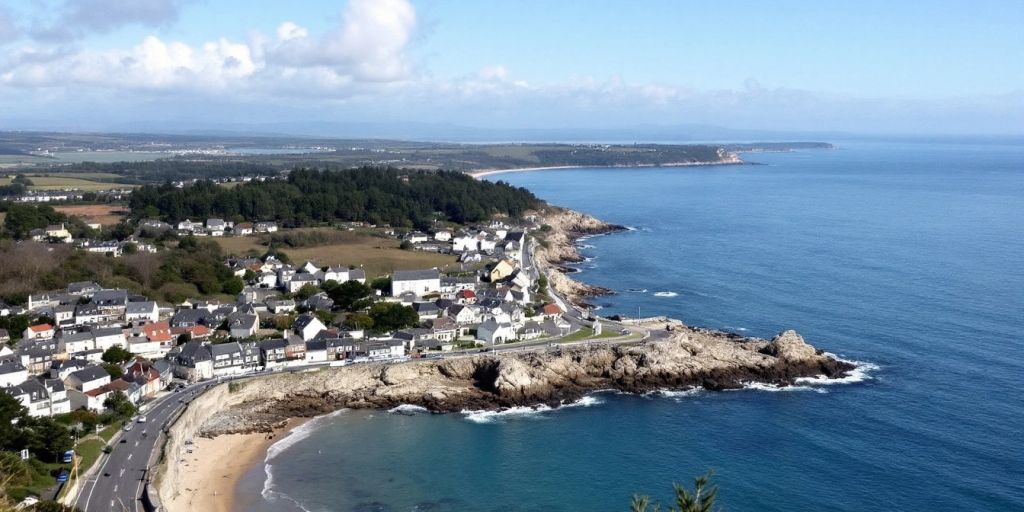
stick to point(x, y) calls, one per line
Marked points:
point(217, 466)
point(733, 160)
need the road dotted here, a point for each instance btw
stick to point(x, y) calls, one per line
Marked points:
point(116, 485)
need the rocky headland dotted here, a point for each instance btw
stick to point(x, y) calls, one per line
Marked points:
point(559, 247)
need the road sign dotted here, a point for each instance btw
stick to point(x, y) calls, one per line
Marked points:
point(24, 454)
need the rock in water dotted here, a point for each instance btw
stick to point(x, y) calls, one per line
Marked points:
point(790, 346)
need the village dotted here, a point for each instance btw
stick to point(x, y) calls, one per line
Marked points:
point(283, 318)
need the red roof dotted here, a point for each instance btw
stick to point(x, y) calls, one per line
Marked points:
point(41, 328)
point(551, 309)
point(157, 331)
point(466, 294)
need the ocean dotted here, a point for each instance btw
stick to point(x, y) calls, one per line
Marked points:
point(908, 257)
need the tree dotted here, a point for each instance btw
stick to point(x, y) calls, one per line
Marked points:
point(113, 370)
point(702, 499)
point(11, 412)
point(406, 245)
point(233, 285)
point(116, 355)
point(53, 506)
point(358, 322)
point(346, 294)
point(119, 404)
point(184, 338)
point(307, 291)
point(390, 316)
point(47, 439)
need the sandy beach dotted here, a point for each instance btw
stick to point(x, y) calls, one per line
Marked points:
point(215, 466)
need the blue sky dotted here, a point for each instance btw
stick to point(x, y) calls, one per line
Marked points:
point(870, 67)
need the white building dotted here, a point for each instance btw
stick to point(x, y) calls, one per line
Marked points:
point(418, 282)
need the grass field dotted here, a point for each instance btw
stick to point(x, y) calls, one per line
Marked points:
point(376, 255)
point(104, 214)
point(83, 181)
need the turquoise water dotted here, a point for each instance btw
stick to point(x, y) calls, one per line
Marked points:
point(907, 256)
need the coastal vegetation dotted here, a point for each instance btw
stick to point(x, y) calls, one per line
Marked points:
point(702, 499)
point(400, 198)
point(191, 268)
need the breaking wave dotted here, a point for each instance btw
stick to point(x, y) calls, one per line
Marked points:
point(665, 294)
point(524, 412)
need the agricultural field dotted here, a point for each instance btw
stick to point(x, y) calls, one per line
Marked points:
point(104, 214)
point(376, 255)
point(109, 156)
point(82, 181)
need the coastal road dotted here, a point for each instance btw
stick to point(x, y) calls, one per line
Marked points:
point(116, 484)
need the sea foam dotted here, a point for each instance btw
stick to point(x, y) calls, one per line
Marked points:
point(298, 434)
point(526, 412)
point(665, 294)
point(408, 409)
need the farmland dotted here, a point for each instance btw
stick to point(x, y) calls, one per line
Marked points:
point(104, 214)
point(376, 255)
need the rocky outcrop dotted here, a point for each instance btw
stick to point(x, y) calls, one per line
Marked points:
point(568, 226)
point(690, 358)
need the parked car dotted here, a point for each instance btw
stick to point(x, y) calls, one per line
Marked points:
point(127, 427)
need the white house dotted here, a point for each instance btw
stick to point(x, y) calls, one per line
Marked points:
point(307, 326)
point(108, 337)
point(141, 312)
point(443, 236)
point(88, 379)
point(38, 332)
point(12, 373)
point(243, 325)
point(316, 351)
point(418, 282)
point(493, 332)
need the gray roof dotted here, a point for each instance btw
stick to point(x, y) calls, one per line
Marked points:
point(356, 274)
point(140, 307)
point(107, 331)
point(110, 297)
point(415, 275)
point(229, 348)
point(273, 344)
point(303, 321)
point(90, 373)
point(316, 345)
point(11, 367)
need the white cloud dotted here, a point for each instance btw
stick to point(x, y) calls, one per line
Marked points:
point(289, 30)
point(368, 47)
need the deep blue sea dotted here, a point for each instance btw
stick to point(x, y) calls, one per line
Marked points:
point(908, 256)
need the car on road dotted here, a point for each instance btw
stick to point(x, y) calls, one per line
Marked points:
point(141, 419)
point(123, 440)
point(127, 427)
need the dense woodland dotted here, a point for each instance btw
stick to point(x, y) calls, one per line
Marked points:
point(400, 198)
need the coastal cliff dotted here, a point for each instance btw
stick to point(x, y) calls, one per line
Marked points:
point(559, 246)
point(690, 358)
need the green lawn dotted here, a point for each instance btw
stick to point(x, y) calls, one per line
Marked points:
point(588, 333)
point(111, 429)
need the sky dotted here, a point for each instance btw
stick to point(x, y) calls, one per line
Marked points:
point(872, 67)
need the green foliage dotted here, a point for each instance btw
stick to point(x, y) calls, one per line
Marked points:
point(11, 411)
point(47, 439)
point(119, 405)
point(307, 291)
point(53, 506)
point(702, 499)
point(358, 321)
point(369, 194)
point(116, 354)
point(113, 370)
point(15, 325)
point(22, 218)
point(346, 295)
point(391, 316)
point(405, 245)
point(381, 283)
